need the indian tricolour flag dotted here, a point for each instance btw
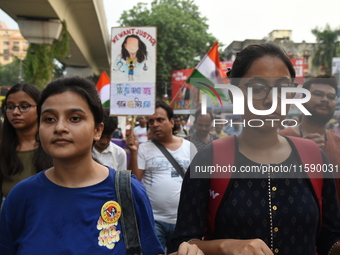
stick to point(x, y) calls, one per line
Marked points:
point(207, 73)
point(103, 88)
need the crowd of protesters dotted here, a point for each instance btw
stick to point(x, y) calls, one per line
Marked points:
point(60, 152)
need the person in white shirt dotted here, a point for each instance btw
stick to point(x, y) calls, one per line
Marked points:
point(141, 131)
point(107, 152)
point(162, 181)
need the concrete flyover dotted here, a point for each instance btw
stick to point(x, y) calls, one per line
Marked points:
point(86, 23)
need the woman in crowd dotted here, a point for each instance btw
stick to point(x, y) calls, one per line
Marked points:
point(264, 213)
point(71, 208)
point(20, 154)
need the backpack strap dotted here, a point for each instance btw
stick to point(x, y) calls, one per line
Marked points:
point(128, 218)
point(224, 155)
point(310, 154)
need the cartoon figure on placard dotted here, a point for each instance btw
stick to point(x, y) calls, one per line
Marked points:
point(133, 56)
point(131, 68)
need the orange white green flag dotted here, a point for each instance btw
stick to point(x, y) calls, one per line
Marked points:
point(103, 88)
point(207, 73)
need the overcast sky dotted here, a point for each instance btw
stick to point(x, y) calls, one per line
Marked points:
point(231, 20)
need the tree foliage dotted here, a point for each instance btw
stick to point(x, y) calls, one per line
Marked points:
point(39, 66)
point(327, 47)
point(182, 37)
point(9, 74)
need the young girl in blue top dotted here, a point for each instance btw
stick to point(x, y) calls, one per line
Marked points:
point(68, 208)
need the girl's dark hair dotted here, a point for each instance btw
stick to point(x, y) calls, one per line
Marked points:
point(141, 53)
point(9, 161)
point(78, 85)
point(246, 57)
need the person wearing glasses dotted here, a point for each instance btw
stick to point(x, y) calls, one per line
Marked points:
point(324, 91)
point(260, 212)
point(202, 125)
point(20, 153)
point(72, 207)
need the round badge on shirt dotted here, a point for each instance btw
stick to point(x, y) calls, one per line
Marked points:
point(111, 211)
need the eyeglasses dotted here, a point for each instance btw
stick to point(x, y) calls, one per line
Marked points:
point(22, 108)
point(320, 94)
point(261, 90)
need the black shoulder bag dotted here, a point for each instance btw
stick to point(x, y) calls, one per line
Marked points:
point(128, 218)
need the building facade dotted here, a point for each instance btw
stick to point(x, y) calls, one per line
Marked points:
point(282, 38)
point(12, 44)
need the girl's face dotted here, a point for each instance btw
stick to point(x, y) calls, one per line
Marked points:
point(67, 128)
point(270, 71)
point(131, 45)
point(22, 120)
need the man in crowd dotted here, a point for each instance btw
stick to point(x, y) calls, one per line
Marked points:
point(107, 152)
point(178, 128)
point(324, 90)
point(141, 131)
point(337, 128)
point(185, 125)
point(202, 136)
point(234, 126)
point(219, 131)
point(160, 178)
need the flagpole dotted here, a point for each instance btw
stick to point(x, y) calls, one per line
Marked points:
point(132, 125)
point(173, 99)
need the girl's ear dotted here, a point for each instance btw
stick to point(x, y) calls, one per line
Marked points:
point(98, 130)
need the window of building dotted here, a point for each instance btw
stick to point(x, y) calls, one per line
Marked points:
point(6, 51)
point(6, 58)
point(16, 43)
point(25, 43)
point(6, 43)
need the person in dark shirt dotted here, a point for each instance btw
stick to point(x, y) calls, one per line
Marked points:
point(202, 136)
point(265, 213)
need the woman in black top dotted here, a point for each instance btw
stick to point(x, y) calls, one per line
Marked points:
point(260, 214)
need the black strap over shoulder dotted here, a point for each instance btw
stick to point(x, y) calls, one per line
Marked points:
point(171, 159)
point(128, 218)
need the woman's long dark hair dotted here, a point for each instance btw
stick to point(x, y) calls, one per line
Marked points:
point(9, 160)
point(141, 53)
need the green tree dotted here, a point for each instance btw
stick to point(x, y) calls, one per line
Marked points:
point(327, 48)
point(39, 66)
point(9, 74)
point(182, 37)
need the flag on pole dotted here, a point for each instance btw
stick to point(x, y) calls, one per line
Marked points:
point(103, 88)
point(207, 73)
